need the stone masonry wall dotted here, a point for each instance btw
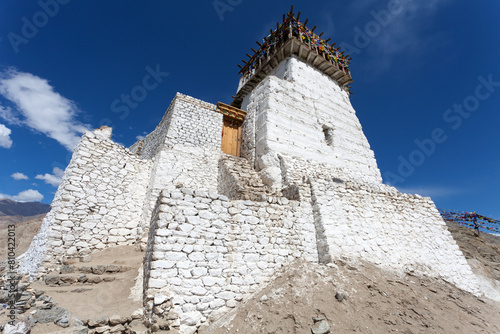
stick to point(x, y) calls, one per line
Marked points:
point(209, 252)
point(238, 180)
point(298, 111)
point(391, 229)
point(97, 205)
point(187, 148)
point(148, 147)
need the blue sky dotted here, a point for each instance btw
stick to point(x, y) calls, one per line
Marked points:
point(426, 81)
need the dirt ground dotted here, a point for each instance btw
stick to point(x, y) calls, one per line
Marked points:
point(377, 302)
point(105, 299)
point(485, 248)
point(26, 229)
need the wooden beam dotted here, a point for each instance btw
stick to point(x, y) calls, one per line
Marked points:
point(330, 69)
point(313, 28)
point(321, 34)
point(328, 39)
point(248, 55)
point(308, 55)
point(323, 65)
point(307, 20)
point(253, 50)
point(274, 60)
point(259, 44)
point(298, 16)
point(315, 61)
point(230, 111)
point(301, 48)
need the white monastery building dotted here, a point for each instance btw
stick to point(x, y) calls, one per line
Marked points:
point(221, 196)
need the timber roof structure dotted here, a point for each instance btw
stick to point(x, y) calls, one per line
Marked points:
point(292, 37)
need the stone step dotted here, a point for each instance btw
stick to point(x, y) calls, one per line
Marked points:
point(69, 279)
point(95, 269)
point(241, 180)
point(117, 324)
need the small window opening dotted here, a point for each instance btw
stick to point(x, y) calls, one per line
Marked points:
point(328, 132)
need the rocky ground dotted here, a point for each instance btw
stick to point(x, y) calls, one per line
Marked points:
point(101, 295)
point(485, 248)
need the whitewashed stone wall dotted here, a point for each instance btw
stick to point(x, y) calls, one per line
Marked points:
point(185, 149)
point(379, 224)
point(300, 112)
point(108, 191)
point(209, 252)
point(97, 205)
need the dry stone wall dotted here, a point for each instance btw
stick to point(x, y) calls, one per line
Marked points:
point(379, 224)
point(298, 111)
point(187, 149)
point(209, 252)
point(97, 205)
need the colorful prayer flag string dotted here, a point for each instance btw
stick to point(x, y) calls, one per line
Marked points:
point(472, 220)
point(300, 31)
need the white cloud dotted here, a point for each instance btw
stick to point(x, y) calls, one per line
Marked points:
point(52, 179)
point(402, 32)
point(5, 140)
point(9, 116)
point(39, 107)
point(29, 195)
point(19, 176)
point(431, 191)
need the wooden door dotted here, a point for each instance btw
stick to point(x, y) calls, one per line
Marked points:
point(231, 136)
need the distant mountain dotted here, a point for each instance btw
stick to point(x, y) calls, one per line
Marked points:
point(12, 208)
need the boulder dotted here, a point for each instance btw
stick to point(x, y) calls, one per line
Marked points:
point(19, 328)
point(50, 315)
